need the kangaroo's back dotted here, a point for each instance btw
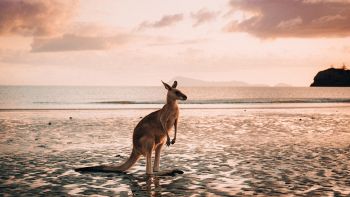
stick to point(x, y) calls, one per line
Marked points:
point(149, 126)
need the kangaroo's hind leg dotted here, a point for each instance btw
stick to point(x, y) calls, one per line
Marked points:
point(148, 147)
point(149, 169)
point(157, 158)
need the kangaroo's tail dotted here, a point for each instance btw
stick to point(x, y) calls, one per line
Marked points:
point(113, 168)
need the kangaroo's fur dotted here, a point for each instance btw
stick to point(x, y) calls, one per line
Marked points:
point(150, 134)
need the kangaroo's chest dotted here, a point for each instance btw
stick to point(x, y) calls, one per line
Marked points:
point(170, 118)
point(171, 121)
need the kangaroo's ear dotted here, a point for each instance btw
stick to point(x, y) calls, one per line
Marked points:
point(166, 86)
point(174, 84)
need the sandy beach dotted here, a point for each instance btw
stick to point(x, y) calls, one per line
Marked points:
point(223, 152)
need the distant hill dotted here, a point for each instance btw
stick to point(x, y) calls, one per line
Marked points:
point(184, 81)
point(332, 77)
point(282, 85)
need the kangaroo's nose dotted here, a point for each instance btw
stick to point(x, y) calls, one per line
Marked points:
point(184, 98)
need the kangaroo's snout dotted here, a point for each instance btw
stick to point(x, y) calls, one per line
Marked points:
point(184, 97)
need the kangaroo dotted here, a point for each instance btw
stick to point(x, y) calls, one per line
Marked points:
point(150, 134)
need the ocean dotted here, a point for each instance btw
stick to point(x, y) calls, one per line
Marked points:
point(70, 97)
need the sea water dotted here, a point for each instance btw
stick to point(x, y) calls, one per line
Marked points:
point(107, 97)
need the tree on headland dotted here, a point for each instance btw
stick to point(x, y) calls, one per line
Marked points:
point(344, 67)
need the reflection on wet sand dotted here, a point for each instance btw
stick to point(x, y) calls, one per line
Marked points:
point(144, 185)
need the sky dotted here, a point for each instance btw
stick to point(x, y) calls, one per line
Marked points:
point(133, 42)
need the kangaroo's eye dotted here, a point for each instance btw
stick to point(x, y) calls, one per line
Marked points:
point(177, 93)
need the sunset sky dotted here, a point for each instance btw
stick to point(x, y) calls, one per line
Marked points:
point(133, 42)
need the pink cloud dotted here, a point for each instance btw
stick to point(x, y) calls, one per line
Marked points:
point(34, 17)
point(73, 42)
point(292, 18)
point(203, 16)
point(166, 20)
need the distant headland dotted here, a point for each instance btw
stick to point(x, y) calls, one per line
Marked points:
point(332, 77)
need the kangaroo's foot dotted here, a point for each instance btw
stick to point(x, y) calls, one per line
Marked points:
point(173, 141)
point(172, 172)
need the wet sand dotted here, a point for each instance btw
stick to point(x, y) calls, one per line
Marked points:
point(232, 152)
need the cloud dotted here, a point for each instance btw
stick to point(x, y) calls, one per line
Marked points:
point(292, 18)
point(290, 24)
point(73, 42)
point(203, 16)
point(34, 17)
point(165, 21)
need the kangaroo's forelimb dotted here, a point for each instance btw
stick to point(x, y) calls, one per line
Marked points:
point(164, 123)
point(175, 126)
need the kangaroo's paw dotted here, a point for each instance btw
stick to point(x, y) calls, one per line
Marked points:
point(173, 141)
point(168, 142)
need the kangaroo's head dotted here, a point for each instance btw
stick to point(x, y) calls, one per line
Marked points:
point(173, 93)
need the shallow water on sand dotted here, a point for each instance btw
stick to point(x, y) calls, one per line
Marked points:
point(267, 152)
